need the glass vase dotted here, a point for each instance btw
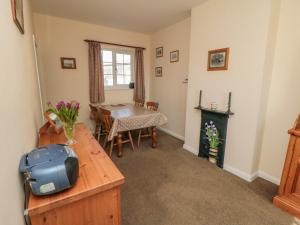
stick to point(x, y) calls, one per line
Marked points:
point(69, 130)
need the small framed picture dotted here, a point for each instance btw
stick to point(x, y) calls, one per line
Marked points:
point(174, 56)
point(54, 121)
point(68, 63)
point(159, 52)
point(218, 59)
point(158, 71)
point(17, 13)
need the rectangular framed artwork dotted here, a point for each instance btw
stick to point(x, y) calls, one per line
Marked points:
point(158, 71)
point(174, 56)
point(159, 52)
point(218, 59)
point(68, 63)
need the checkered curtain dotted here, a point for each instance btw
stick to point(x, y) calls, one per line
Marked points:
point(139, 86)
point(96, 79)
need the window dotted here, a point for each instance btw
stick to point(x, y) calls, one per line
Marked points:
point(117, 68)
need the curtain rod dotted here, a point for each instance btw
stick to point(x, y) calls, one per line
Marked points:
point(108, 43)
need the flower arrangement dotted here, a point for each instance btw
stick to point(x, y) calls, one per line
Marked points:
point(212, 135)
point(67, 113)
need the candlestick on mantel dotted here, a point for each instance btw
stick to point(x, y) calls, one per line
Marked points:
point(228, 112)
point(229, 102)
point(200, 98)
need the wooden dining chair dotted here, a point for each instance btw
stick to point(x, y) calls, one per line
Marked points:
point(147, 132)
point(139, 103)
point(108, 123)
point(95, 115)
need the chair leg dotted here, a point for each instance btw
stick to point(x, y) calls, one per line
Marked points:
point(139, 138)
point(131, 142)
point(120, 145)
point(154, 137)
point(111, 147)
point(101, 128)
point(95, 132)
point(105, 141)
point(99, 132)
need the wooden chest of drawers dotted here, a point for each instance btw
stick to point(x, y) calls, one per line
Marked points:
point(94, 200)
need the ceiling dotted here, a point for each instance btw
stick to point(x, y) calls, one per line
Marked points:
point(145, 16)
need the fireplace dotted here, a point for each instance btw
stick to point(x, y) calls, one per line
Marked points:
point(220, 120)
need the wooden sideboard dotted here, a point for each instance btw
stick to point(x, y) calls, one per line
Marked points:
point(288, 197)
point(94, 200)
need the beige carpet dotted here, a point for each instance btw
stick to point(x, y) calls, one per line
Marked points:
point(170, 186)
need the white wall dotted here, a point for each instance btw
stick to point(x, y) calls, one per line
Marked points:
point(268, 70)
point(169, 90)
point(284, 104)
point(58, 37)
point(20, 111)
point(244, 27)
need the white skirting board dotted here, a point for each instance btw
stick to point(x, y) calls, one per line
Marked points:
point(178, 136)
point(253, 176)
point(190, 149)
point(245, 176)
point(268, 177)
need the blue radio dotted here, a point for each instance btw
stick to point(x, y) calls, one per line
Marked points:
point(50, 169)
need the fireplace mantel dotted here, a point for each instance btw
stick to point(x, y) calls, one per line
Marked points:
point(229, 113)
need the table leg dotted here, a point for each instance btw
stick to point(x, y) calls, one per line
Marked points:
point(154, 137)
point(119, 144)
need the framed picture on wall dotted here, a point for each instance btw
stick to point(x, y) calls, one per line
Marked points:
point(174, 56)
point(17, 14)
point(158, 71)
point(159, 52)
point(218, 59)
point(68, 63)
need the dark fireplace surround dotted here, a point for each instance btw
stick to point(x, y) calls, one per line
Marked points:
point(220, 119)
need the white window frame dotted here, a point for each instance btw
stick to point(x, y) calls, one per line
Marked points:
point(121, 50)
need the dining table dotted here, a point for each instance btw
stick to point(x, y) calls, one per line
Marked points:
point(128, 117)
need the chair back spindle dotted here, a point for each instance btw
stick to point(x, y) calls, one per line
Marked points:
point(140, 103)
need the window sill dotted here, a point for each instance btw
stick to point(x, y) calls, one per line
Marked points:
point(117, 89)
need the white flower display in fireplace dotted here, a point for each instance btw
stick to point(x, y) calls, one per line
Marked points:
point(212, 135)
